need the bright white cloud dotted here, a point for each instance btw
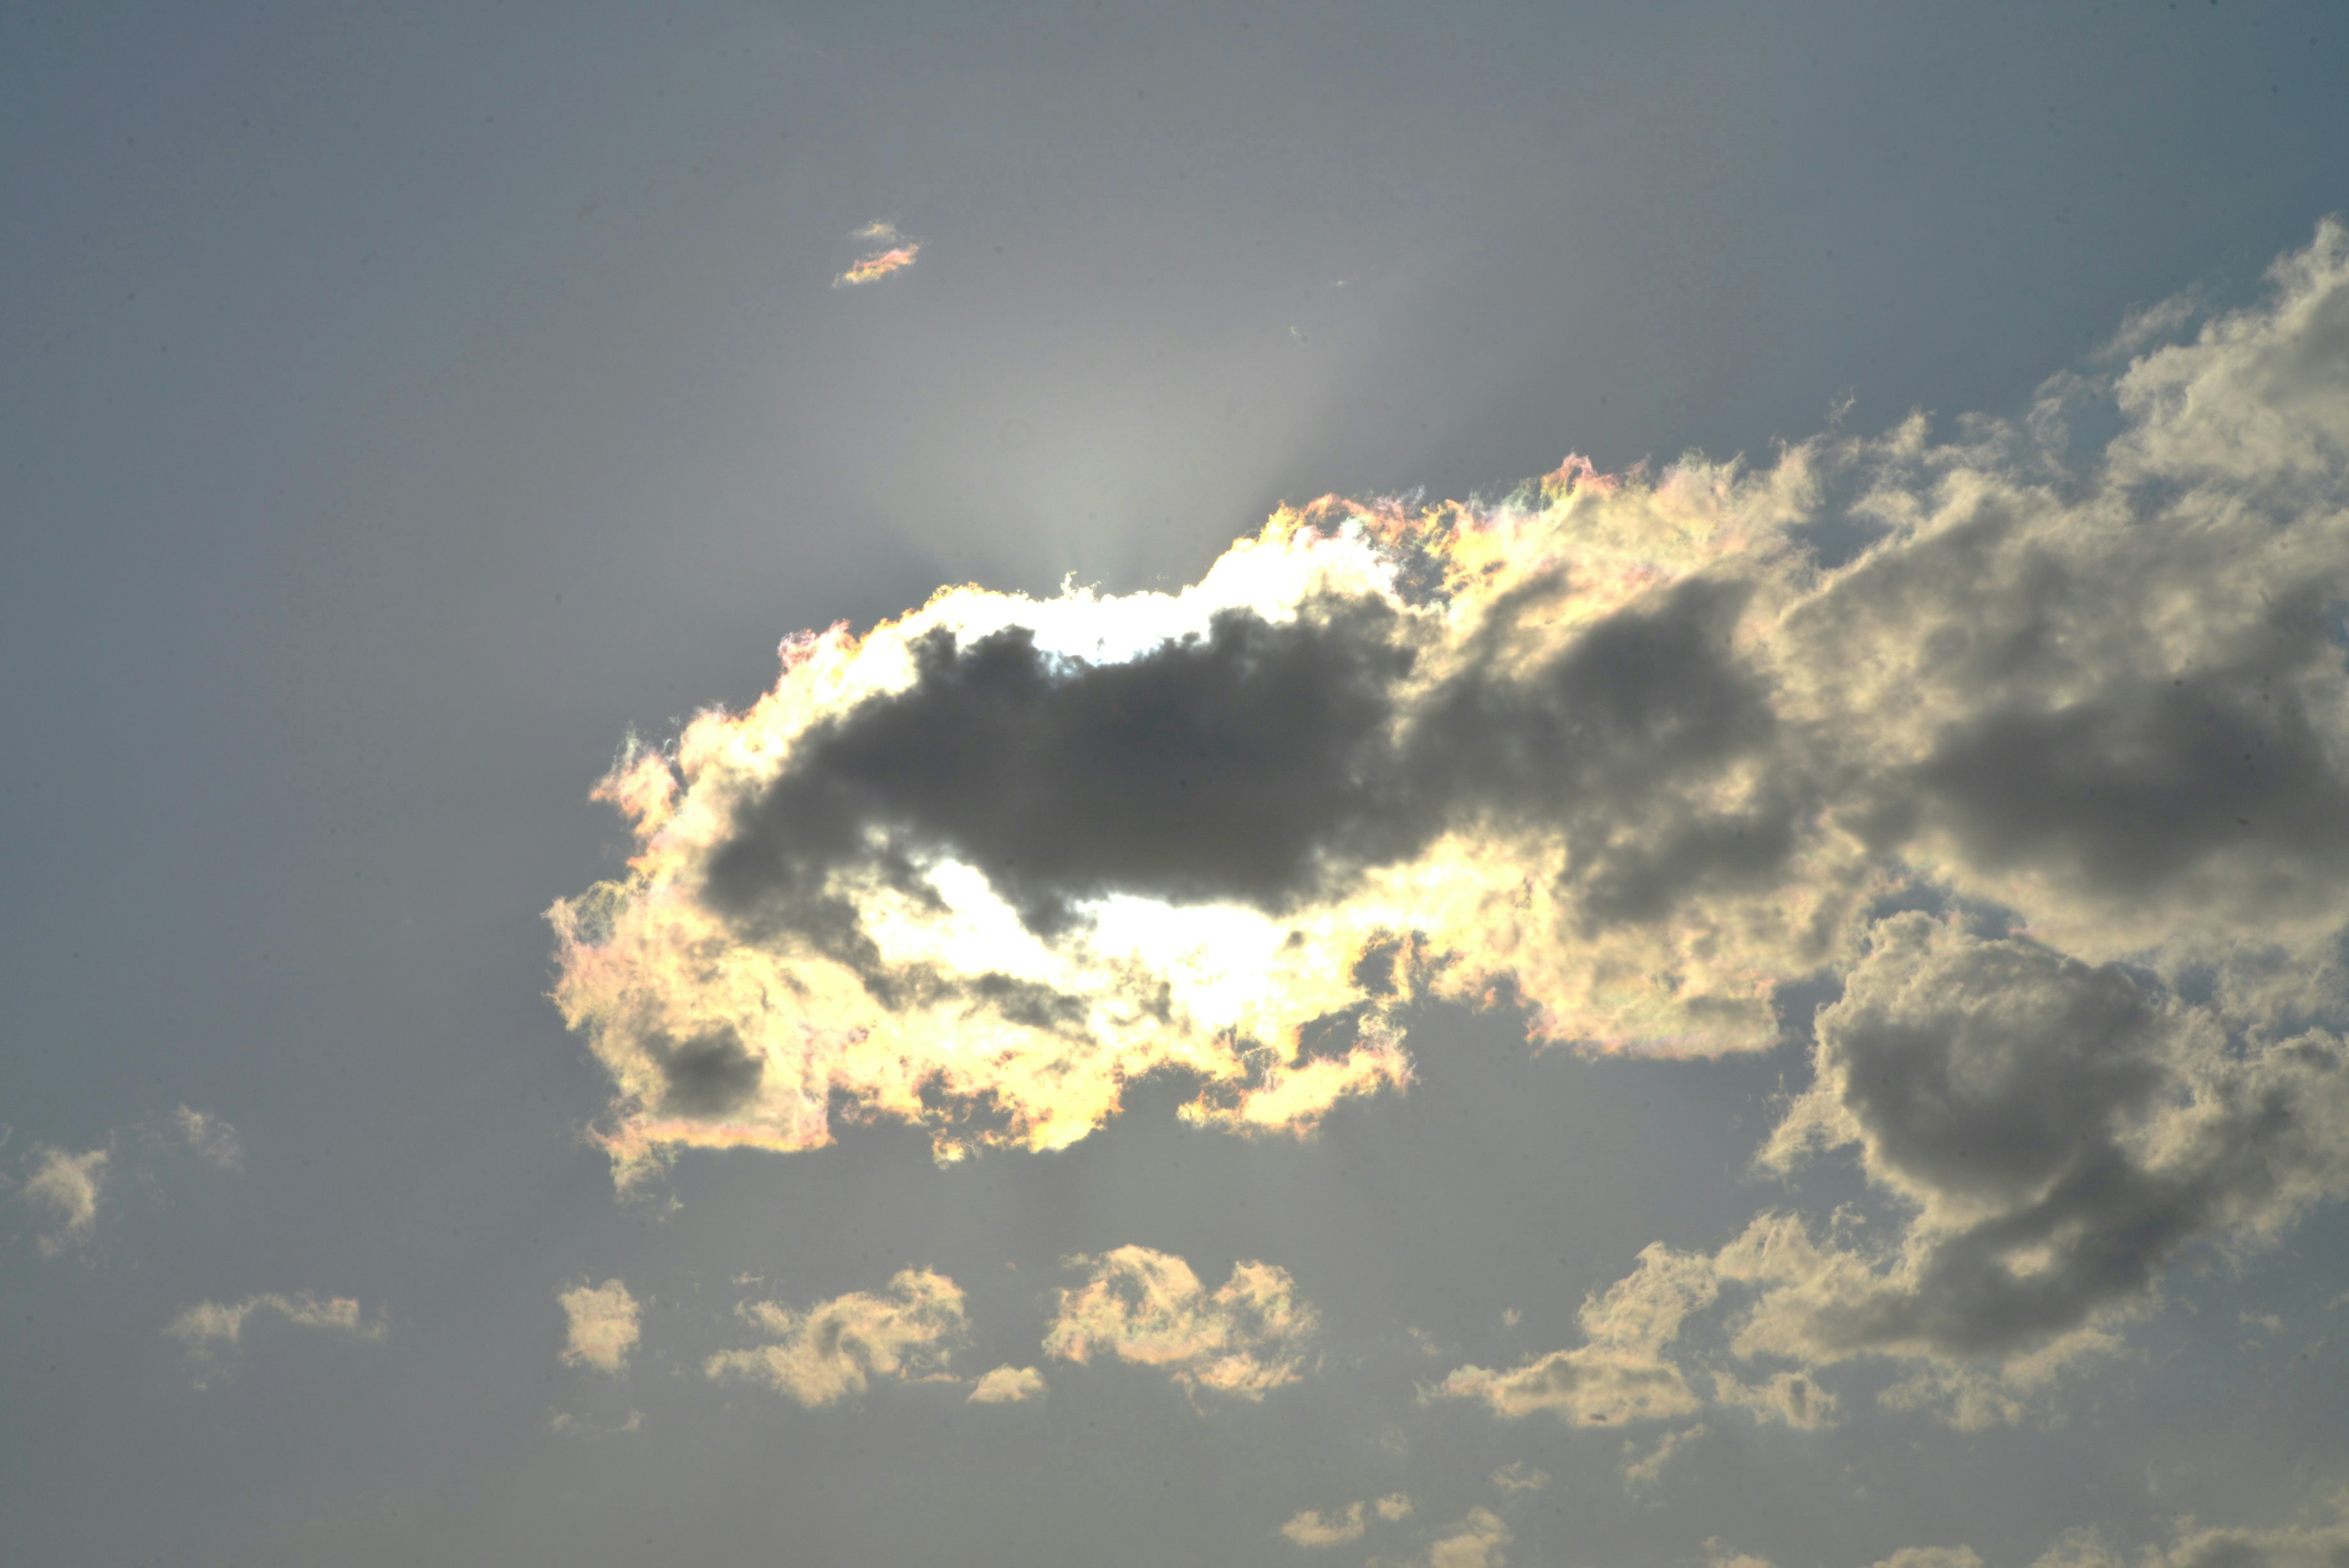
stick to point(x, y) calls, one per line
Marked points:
point(837, 1349)
point(601, 1325)
point(1249, 1336)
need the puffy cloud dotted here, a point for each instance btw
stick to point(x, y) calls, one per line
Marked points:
point(2055, 1135)
point(1477, 1541)
point(2059, 1132)
point(601, 1325)
point(1009, 1385)
point(209, 1328)
point(67, 1185)
point(1393, 1507)
point(1618, 751)
point(835, 1349)
point(1249, 1336)
point(1620, 1373)
point(213, 1140)
point(1308, 1528)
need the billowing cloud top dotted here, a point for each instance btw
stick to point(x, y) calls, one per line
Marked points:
point(1621, 752)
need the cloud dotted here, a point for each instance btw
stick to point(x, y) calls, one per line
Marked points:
point(209, 1328)
point(1618, 751)
point(1933, 1557)
point(1009, 1385)
point(1477, 1541)
point(67, 1185)
point(213, 1140)
point(1520, 1476)
point(1249, 1336)
point(897, 253)
point(1335, 1529)
point(1644, 1470)
point(1393, 1507)
point(835, 1349)
point(601, 1326)
point(1620, 1375)
point(2059, 1133)
point(1791, 1398)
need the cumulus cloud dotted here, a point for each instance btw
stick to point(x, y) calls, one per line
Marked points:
point(66, 1186)
point(837, 1349)
point(1620, 1373)
point(2058, 1134)
point(1618, 751)
point(1393, 1507)
point(1249, 1336)
point(209, 1329)
point(601, 1325)
point(213, 1140)
point(1009, 1385)
point(1308, 1528)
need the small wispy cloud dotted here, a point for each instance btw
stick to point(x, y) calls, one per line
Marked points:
point(212, 1138)
point(209, 1328)
point(896, 252)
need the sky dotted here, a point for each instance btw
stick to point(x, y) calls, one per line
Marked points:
point(1266, 784)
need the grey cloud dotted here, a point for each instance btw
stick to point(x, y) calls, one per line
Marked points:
point(707, 1075)
point(2063, 1132)
point(1227, 766)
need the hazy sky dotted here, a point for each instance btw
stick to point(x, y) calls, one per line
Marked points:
point(1771, 992)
